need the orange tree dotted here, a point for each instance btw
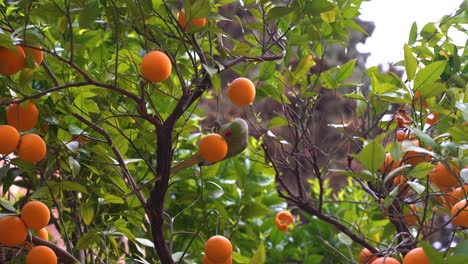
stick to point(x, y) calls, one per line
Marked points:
point(116, 121)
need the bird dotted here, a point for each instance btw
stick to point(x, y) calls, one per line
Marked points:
point(236, 134)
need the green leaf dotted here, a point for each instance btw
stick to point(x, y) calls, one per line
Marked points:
point(318, 6)
point(89, 13)
point(145, 242)
point(109, 198)
point(432, 89)
point(419, 188)
point(238, 258)
point(303, 68)
point(345, 239)
point(345, 70)
point(433, 255)
point(421, 170)
point(372, 155)
point(71, 186)
point(7, 205)
point(425, 138)
point(413, 34)
point(87, 214)
point(328, 17)
point(259, 256)
point(364, 175)
point(461, 248)
point(277, 121)
point(429, 74)
point(278, 11)
point(87, 240)
point(267, 70)
point(457, 259)
point(410, 62)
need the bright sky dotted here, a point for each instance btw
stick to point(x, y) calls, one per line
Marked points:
point(393, 20)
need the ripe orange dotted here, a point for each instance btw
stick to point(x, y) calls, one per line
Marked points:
point(413, 157)
point(23, 118)
point(36, 53)
point(443, 178)
point(459, 214)
point(389, 164)
point(35, 215)
point(218, 249)
point(41, 255)
point(411, 216)
point(283, 219)
point(156, 66)
point(366, 256)
point(213, 148)
point(416, 256)
point(32, 148)
point(11, 61)
point(432, 118)
point(241, 91)
point(207, 260)
point(400, 180)
point(42, 234)
point(9, 139)
point(13, 231)
point(401, 135)
point(455, 195)
point(387, 260)
point(197, 22)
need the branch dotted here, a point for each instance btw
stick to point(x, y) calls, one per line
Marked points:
point(63, 255)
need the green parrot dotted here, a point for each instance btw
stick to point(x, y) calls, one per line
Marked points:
point(236, 134)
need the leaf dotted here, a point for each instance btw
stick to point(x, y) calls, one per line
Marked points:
point(87, 240)
point(303, 68)
point(259, 256)
point(419, 188)
point(328, 17)
point(432, 89)
point(74, 166)
point(145, 242)
point(278, 11)
point(410, 62)
point(433, 255)
point(364, 175)
point(277, 121)
point(413, 34)
point(89, 13)
point(426, 139)
point(7, 205)
point(87, 214)
point(461, 248)
point(345, 239)
point(318, 6)
point(71, 186)
point(345, 70)
point(109, 198)
point(429, 74)
point(267, 70)
point(218, 192)
point(372, 155)
point(421, 170)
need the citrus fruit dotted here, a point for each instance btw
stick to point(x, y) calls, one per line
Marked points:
point(218, 249)
point(22, 117)
point(444, 178)
point(35, 214)
point(459, 214)
point(32, 148)
point(241, 91)
point(213, 148)
point(366, 256)
point(207, 260)
point(416, 256)
point(9, 139)
point(42, 234)
point(41, 255)
point(283, 219)
point(400, 181)
point(411, 215)
point(455, 195)
point(389, 164)
point(432, 118)
point(197, 22)
point(156, 66)
point(387, 260)
point(401, 135)
point(36, 53)
point(414, 157)
point(13, 231)
point(11, 61)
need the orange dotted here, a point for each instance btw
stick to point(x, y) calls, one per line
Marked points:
point(32, 148)
point(283, 219)
point(213, 148)
point(460, 214)
point(366, 256)
point(41, 255)
point(387, 260)
point(218, 249)
point(9, 139)
point(413, 157)
point(411, 216)
point(13, 231)
point(401, 135)
point(24, 118)
point(443, 178)
point(197, 22)
point(389, 164)
point(36, 53)
point(416, 256)
point(207, 260)
point(455, 195)
point(400, 180)
point(432, 118)
point(42, 234)
point(156, 66)
point(35, 215)
point(241, 91)
point(11, 61)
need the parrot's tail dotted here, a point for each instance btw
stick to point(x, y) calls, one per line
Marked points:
point(187, 163)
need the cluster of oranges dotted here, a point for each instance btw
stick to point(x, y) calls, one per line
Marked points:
point(414, 256)
point(14, 60)
point(29, 147)
point(34, 215)
point(218, 250)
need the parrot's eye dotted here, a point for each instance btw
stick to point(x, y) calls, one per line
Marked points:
point(228, 133)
